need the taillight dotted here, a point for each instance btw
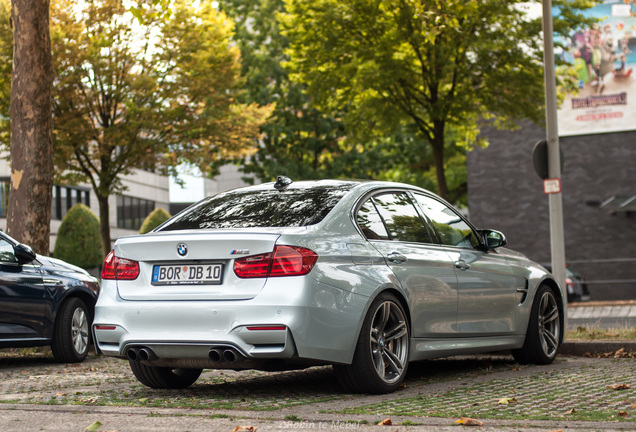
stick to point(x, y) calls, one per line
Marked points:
point(284, 261)
point(119, 268)
point(569, 282)
point(292, 261)
point(255, 266)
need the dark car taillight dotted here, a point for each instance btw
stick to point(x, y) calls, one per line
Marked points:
point(119, 268)
point(284, 261)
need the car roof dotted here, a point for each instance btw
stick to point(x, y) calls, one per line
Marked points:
point(305, 184)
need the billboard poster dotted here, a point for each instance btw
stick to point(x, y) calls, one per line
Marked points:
point(604, 58)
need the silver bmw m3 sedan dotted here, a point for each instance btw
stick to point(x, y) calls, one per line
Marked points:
point(366, 276)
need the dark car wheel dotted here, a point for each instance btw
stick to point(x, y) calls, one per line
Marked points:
point(71, 333)
point(164, 377)
point(381, 356)
point(544, 330)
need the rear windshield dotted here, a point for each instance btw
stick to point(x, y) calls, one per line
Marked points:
point(261, 208)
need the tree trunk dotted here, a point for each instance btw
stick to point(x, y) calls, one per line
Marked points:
point(438, 155)
point(29, 210)
point(104, 222)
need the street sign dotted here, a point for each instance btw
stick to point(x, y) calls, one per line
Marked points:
point(540, 159)
point(552, 186)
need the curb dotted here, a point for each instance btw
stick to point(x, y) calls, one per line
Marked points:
point(572, 348)
point(602, 303)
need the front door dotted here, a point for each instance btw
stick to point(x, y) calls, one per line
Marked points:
point(486, 285)
point(22, 298)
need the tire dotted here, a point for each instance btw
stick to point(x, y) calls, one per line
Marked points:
point(545, 330)
point(164, 377)
point(71, 335)
point(381, 356)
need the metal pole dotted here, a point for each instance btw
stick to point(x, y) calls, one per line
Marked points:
point(557, 238)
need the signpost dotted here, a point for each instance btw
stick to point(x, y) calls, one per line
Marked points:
point(557, 238)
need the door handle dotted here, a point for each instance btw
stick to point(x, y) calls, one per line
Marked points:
point(395, 257)
point(462, 265)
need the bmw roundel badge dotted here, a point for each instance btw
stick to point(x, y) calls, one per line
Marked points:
point(182, 249)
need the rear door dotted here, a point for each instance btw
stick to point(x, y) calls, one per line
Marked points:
point(487, 286)
point(393, 226)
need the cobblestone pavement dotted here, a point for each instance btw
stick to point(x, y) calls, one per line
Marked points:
point(574, 393)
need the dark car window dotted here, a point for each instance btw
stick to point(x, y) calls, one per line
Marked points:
point(371, 223)
point(261, 208)
point(401, 218)
point(451, 228)
point(7, 253)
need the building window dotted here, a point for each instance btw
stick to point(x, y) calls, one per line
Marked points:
point(132, 211)
point(4, 198)
point(65, 197)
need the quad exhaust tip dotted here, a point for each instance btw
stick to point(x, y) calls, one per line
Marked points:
point(140, 353)
point(132, 354)
point(224, 354)
point(215, 355)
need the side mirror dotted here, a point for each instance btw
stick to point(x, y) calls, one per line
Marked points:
point(24, 253)
point(493, 239)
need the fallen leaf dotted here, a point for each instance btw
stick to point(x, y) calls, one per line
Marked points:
point(60, 394)
point(385, 422)
point(466, 421)
point(507, 401)
point(556, 430)
point(619, 353)
point(93, 427)
point(623, 414)
point(620, 386)
point(572, 411)
point(245, 429)
point(634, 405)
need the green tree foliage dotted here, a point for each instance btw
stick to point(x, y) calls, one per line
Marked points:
point(153, 220)
point(435, 68)
point(6, 63)
point(78, 239)
point(144, 84)
point(298, 140)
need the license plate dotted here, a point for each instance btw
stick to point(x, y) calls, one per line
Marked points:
point(197, 274)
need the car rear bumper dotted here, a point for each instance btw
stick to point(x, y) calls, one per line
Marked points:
point(286, 320)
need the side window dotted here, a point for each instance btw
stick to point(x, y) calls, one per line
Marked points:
point(451, 229)
point(7, 254)
point(401, 218)
point(371, 223)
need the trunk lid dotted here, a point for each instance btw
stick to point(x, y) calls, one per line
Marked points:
point(192, 265)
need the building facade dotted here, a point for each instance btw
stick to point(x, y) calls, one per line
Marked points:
point(599, 202)
point(144, 192)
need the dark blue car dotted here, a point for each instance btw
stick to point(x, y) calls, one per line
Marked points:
point(44, 301)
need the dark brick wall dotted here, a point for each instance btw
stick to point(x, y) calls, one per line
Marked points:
point(505, 193)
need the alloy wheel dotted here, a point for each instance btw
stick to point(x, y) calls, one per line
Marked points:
point(79, 330)
point(389, 342)
point(549, 324)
